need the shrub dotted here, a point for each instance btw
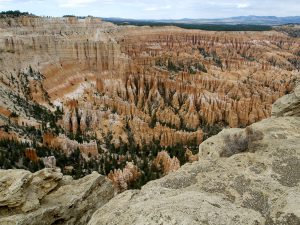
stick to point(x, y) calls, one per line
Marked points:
point(295, 62)
point(14, 115)
point(240, 142)
point(217, 59)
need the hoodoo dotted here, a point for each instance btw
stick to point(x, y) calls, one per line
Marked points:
point(80, 97)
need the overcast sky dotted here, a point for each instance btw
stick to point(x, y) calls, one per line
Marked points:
point(156, 9)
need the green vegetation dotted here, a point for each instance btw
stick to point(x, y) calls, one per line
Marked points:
point(13, 115)
point(142, 157)
point(211, 130)
point(204, 53)
point(295, 62)
point(272, 61)
point(217, 59)
point(12, 153)
point(111, 157)
point(13, 14)
point(249, 58)
point(69, 16)
point(211, 27)
point(173, 67)
point(12, 156)
point(192, 68)
point(37, 111)
point(47, 118)
point(197, 66)
point(80, 137)
point(291, 30)
point(24, 83)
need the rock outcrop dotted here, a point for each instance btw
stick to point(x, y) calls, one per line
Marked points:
point(48, 197)
point(259, 185)
point(289, 105)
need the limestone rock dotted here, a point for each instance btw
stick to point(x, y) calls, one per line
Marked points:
point(289, 105)
point(20, 188)
point(46, 197)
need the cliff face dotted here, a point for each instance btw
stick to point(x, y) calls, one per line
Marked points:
point(255, 182)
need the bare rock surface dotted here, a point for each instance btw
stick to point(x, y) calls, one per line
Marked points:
point(48, 197)
point(288, 105)
point(258, 185)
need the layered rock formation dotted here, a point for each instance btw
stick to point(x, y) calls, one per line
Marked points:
point(175, 81)
point(259, 185)
point(124, 93)
point(165, 163)
point(121, 179)
point(64, 143)
point(48, 197)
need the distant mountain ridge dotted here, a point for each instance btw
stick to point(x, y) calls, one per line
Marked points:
point(251, 20)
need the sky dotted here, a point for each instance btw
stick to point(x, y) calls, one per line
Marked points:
point(155, 9)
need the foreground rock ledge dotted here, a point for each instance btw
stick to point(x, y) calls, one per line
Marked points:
point(258, 186)
point(48, 197)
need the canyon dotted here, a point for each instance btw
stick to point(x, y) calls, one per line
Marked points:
point(256, 184)
point(132, 103)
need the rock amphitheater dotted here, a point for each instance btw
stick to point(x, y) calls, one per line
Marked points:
point(97, 88)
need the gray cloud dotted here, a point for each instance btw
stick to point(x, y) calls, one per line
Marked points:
point(156, 8)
